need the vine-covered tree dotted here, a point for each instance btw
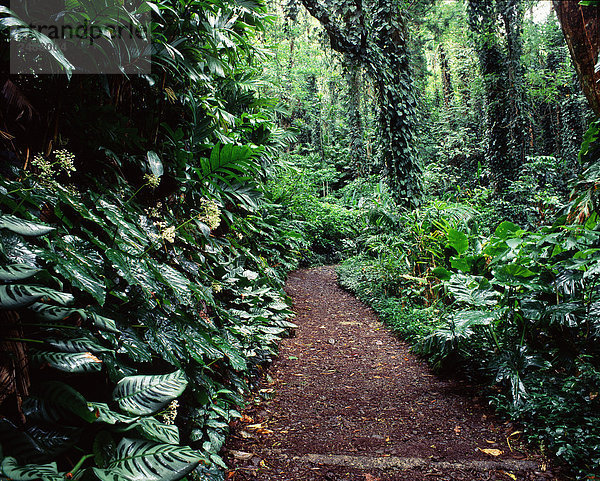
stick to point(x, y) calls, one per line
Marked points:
point(503, 80)
point(374, 35)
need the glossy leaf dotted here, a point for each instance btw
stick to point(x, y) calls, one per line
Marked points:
point(16, 296)
point(31, 472)
point(69, 362)
point(24, 227)
point(142, 395)
point(17, 272)
point(138, 460)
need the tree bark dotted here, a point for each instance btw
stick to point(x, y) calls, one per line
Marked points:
point(581, 27)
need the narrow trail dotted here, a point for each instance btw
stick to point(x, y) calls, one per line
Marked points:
point(346, 401)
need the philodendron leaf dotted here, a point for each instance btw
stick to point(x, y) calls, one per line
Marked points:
point(30, 472)
point(69, 362)
point(138, 460)
point(17, 272)
point(458, 240)
point(16, 296)
point(143, 395)
point(23, 227)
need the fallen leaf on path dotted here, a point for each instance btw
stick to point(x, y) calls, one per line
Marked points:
point(246, 419)
point(510, 475)
point(254, 427)
point(491, 452)
point(241, 455)
point(489, 441)
point(370, 477)
point(457, 430)
point(246, 435)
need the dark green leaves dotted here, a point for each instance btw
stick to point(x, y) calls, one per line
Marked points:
point(16, 296)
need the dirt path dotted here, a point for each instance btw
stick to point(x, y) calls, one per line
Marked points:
point(349, 402)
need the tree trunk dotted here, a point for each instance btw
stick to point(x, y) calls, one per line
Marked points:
point(581, 27)
point(446, 77)
point(357, 148)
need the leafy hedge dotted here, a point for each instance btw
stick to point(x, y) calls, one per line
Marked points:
point(137, 331)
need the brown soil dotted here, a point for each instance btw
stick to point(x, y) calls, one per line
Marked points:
point(347, 401)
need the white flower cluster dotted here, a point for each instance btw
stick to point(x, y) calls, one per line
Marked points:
point(209, 213)
point(152, 180)
point(170, 413)
point(49, 170)
point(65, 160)
point(155, 211)
point(169, 234)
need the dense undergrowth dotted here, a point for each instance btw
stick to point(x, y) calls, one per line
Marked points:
point(516, 309)
point(147, 222)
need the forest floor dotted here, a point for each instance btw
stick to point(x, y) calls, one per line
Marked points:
point(347, 401)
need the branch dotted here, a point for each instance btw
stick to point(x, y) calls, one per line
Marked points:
point(339, 41)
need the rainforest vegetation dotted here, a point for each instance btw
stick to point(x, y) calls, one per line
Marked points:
point(444, 153)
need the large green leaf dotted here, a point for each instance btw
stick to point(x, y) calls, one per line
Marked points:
point(30, 472)
point(69, 362)
point(51, 313)
point(131, 344)
point(175, 280)
point(16, 296)
point(104, 323)
point(138, 460)
point(81, 344)
point(470, 290)
point(106, 415)
point(80, 263)
point(56, 400)
point(142, 395)
point(23, 227)
point(17, 272)
point(153, 430)
point(506, 229)
point(458, 240)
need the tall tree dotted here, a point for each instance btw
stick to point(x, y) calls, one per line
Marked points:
point(374, 35)
point(581, 27)
point(502, 76)
point(353, 74)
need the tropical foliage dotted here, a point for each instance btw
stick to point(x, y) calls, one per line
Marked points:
point(438, 150)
